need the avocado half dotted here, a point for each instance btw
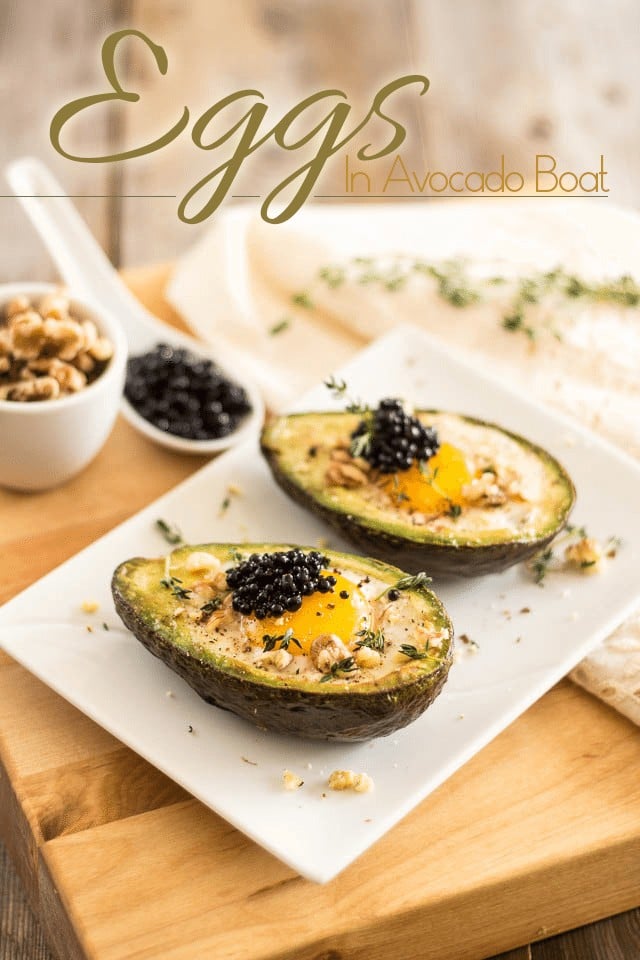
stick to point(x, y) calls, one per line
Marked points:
point(284, 704)
point(297, 448)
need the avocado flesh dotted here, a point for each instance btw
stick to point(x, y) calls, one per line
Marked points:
point(297, 449)
point(302, 705)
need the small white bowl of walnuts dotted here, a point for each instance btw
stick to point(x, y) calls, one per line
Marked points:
point(62, 366)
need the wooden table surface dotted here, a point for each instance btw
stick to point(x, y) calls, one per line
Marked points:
point(37, 531)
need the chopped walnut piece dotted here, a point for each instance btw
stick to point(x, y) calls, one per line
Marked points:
point(484, 491)
point(90, 332)
point(280, 659)
point(101, 350)
point(28, 335)
point(203, 590)
point(85, 362)
point(41, 388)
point(340, 455)
point(18, 304)
point(367, 658)
point(201, 560)
point(291, 781)
point(586, 554)
point(348, 780)
point(64, 338)
point(345, 475)
point(70, 379)
point(326, 650)
point(54, 306)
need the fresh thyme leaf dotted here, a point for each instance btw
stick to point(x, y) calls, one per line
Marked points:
point(411, 582)
point(105, 626)
point(374, 639)
point(280, 327)
point(580, 532)
point(175, 585)
point(335, 385)
point(226, 503)
point(539, 564)
point(359, 446)
point(454, 511)
point(302, 299)
point(284, 639)
point(347, 665)
point(357, 406)
point(169, 531)
point(515, 321)
point(333, 276)
point(407, 583)
point(211, 605)
point(413, 653)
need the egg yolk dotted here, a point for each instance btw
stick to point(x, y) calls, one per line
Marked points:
point(436, 486)
point(319, 613)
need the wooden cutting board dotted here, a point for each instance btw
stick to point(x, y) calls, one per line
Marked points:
point(540, 832)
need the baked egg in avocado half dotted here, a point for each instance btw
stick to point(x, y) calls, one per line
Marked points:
point(327, 645)
point(432, 490)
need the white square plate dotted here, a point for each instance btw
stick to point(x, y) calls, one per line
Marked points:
point(112, 678)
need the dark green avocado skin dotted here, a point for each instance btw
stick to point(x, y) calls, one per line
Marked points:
point(438, 559)
point(338, 716)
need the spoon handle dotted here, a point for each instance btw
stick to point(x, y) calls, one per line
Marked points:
point(81, 261)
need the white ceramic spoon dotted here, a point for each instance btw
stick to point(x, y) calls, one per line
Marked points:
point(88, 272)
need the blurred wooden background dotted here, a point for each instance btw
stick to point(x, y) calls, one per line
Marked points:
point(507, 76)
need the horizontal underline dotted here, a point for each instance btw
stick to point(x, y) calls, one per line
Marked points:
point(93, 196)
point(455, 196)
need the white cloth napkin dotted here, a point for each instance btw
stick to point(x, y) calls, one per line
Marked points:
point(237, 285)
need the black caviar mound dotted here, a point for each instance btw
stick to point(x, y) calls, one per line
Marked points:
point(184, 394)
point(267, 584)
point(391, 440)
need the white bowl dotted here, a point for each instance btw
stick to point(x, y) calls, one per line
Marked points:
point(46, 442)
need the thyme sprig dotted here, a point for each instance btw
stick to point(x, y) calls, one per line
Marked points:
point(175, 585)
point(360, 445)
point(339, 388)
point(413, 582)
point(547, 560)
point(347, 665)
point(408, 582)
point(374, 639)
point(456, 286)
point(336, 385)
point(212, 605)
point(413, 653)
point(269, 641)
point(169, 531)
point(280, 327)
